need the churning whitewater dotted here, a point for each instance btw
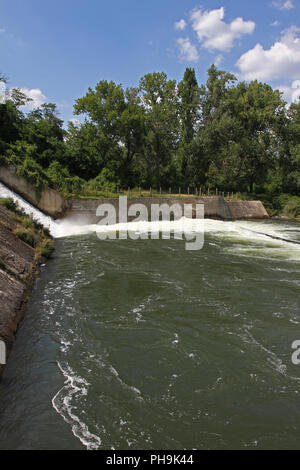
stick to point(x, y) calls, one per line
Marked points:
point(273, 237)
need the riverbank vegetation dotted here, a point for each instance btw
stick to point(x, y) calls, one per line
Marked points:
point(26, 229)
point(229, 136)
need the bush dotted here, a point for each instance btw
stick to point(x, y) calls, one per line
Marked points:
point(27, 222)
point(292, 207)
point(46, 248)
point(26, 235)
point(9, 203)
point(32, 172)
point(105, 181)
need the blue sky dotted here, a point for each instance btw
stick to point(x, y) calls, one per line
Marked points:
point(56, 49)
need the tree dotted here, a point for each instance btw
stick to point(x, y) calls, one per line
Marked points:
point(160, 100)
point(189, 114)
point(43, 129)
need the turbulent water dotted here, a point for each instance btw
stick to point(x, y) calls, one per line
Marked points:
point(140, 344)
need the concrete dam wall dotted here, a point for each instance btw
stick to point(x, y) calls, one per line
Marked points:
point(49, 201)
point(214, 207)
point(52, 203)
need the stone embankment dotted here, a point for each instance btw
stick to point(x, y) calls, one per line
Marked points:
point(19, 264)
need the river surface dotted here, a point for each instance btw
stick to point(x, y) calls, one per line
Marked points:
point(140, 344)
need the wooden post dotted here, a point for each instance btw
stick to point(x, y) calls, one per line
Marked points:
point(208, 192)
point(188, 190)
point(160, 190)
point(169, 190)
point(179, 192)
point(150, 191)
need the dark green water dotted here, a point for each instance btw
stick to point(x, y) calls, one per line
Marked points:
point(143, 345)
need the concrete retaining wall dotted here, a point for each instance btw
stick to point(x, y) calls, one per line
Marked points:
point(248, 210)
point(49, 201)
point(214, 207)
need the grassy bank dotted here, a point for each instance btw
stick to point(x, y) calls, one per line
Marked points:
point(27, 229)
point(277, 205)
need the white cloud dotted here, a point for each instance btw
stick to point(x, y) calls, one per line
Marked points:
point(187, 51)
point(218, 60)
point(283, 4)
point(2, 30)
point(37, 97)
point(75, 121)
point(291, 94)
point(275, 23)
point(216, 34)
point(180, 25)
point(282, 60)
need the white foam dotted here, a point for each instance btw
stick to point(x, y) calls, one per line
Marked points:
point(238, 231)
point(62, 403)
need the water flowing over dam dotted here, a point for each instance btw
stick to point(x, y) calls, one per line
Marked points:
point(140, 344)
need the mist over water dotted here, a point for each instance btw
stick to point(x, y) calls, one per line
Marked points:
point(144, 345)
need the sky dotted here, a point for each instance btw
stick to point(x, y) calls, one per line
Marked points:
point(54, 50)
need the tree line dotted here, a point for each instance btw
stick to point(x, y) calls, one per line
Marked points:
point(226, 134)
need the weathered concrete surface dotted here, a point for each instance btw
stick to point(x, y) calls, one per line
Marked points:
point(49, 201)
point(18, 267)
point(214, 207)
point(248, 210)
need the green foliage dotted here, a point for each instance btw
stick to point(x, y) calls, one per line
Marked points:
point(33, 173)
point(289, 205)
point(230, 135)
point(26, 235)
point(46, 248)
point(9, 203)
point(105, 181)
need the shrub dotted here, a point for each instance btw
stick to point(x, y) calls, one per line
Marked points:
point(46, 248)
point(9, 203)
point(292, 207)
point(26, 235)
